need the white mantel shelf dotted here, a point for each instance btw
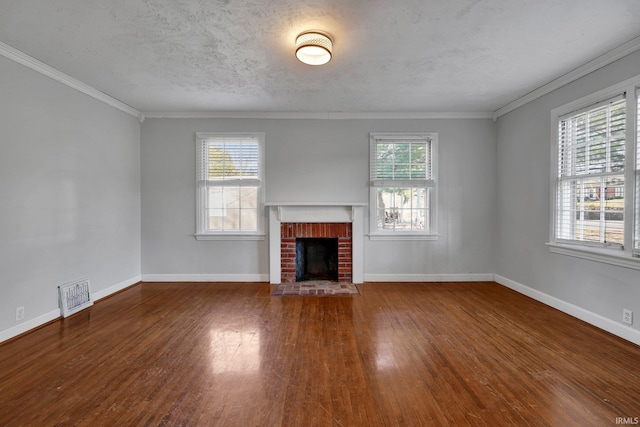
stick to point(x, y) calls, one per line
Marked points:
point(291, 212)
point(315, 204)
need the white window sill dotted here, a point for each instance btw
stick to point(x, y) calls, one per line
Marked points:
point(607, 256)
point(230, 236)
point(403, 236)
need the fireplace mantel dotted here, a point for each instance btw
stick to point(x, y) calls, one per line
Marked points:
point(315, 212)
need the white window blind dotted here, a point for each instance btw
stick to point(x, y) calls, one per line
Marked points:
point(401, 161)
point(636, 240)
point(230, 185)
point(590, 174)
point(402, 182)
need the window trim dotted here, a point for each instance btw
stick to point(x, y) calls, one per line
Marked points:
point(431, 234)
point(200, 233)
point(624, 256)
point(597, 254)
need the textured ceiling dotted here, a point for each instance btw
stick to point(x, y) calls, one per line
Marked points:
point(389, 56)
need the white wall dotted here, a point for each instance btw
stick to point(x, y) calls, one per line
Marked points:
point(69, 194)
point(317, 160)
point(593, 291)
point(72, 204)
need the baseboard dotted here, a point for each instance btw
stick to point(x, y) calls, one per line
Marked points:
point(428, 277)
point(367, 277)
point(205, 277)
point(594, 319)
point(618, 329)
point(28, 325)
point(55, 314)
point(116, 288)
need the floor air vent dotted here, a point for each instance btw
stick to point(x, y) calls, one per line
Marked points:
point(74, 297)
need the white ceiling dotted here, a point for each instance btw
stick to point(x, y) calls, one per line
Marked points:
point(389, 56)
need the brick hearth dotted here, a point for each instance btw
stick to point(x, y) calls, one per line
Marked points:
point(290, 231)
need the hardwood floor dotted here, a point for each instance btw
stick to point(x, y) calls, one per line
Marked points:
point(216, 354)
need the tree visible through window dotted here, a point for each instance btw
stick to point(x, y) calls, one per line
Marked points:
point(402, 182)
point(229, 183)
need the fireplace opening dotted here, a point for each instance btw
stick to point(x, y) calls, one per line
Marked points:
point(316, 259)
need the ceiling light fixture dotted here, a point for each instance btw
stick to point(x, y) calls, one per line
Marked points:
point(314, 48)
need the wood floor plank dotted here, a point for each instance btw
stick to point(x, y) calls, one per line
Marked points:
point(229, 354)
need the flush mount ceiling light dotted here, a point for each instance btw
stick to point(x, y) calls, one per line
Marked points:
point(314, 48)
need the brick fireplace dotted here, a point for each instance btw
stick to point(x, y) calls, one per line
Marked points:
point(291, 221)
point(289, 232)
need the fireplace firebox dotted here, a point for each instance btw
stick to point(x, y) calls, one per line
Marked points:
point(316, 259)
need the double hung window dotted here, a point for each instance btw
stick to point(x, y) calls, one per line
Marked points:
point(403, 185)
point(591, 164)
point(596, 176)
point(230, 185)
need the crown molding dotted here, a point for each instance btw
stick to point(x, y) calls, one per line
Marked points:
point(44, 69)
point(233, 115)
point(591, 66)
point(413, 115)
point(314, 115)
point(627, 48)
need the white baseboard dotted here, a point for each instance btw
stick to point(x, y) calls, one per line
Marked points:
point(29, 324)
point(594, 319)
point(55, 314)
point(367, 278)
point(428, 277)
point(116, 288)
point(205, 277)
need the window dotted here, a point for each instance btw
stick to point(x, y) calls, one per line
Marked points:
point(591, 163)
point(230, 185)
point(596, 209)
point(636, 238)
point(403, 185)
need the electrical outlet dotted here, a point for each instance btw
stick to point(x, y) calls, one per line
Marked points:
point(627, 316)
point(19, 313)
